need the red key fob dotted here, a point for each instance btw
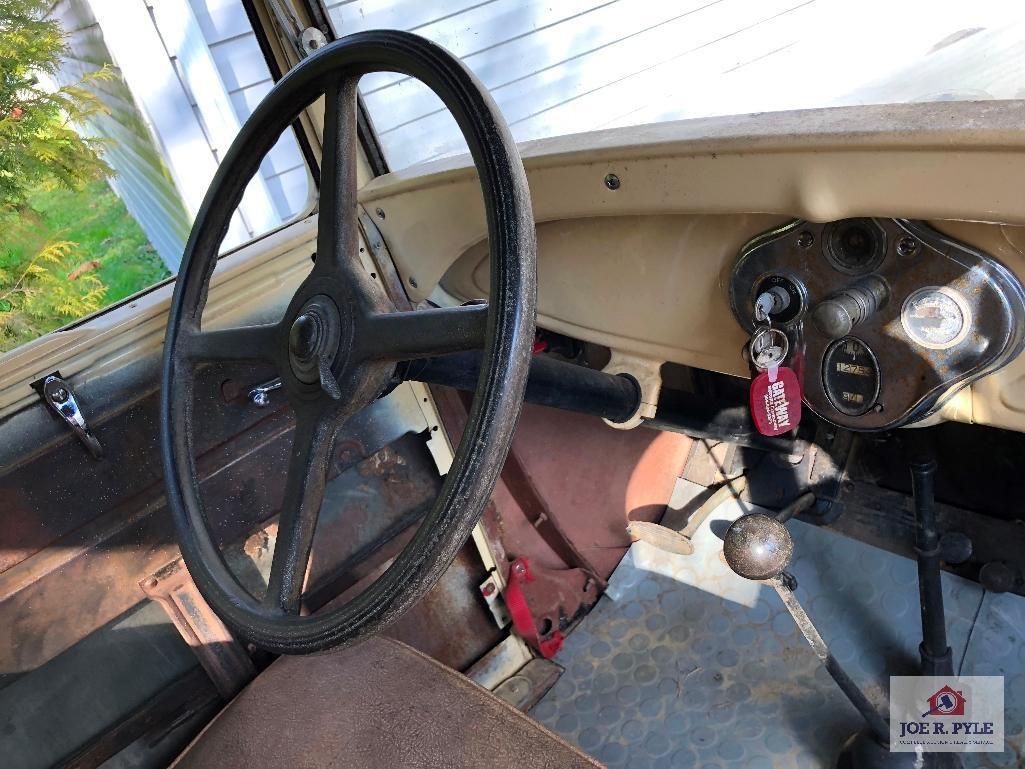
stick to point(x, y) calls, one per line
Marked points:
point(776, 401)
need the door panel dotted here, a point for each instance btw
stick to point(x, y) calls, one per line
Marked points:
point(87, 662)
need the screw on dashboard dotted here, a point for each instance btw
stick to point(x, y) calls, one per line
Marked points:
point(907, 246)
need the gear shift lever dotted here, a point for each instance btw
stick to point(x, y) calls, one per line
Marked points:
point(760, 548)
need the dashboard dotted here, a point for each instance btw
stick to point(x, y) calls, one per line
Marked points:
point(896, 232)
point(893, 320)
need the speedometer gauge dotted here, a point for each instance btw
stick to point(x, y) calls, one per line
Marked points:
point(936, 317)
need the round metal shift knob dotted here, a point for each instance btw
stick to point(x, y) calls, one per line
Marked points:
point(757, 547)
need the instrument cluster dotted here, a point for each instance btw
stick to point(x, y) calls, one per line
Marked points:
point(886, 318)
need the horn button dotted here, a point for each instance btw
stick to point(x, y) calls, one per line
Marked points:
point(313, 338)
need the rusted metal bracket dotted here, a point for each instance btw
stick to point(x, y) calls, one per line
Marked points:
point(492, 595)
point(223, 658)
point(525, 689)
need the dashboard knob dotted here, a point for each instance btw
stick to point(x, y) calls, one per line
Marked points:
point(837, 316)
point(833, 319)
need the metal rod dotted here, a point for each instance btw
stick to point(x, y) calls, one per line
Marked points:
point(875, 721)
point(551, 383)
point(804, 502)
point(571, 387)
point(703, 417)
point(935, 653)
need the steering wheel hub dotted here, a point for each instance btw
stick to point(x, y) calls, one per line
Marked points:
point(313, 338)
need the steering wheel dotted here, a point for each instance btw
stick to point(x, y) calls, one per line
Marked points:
point(340, 340)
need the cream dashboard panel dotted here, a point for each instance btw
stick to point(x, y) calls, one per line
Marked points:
point(653, 286)
point(643, 267)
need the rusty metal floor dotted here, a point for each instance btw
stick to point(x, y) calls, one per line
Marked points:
point(684, 664)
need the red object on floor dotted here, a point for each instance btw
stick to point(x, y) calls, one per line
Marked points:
point(522, 617)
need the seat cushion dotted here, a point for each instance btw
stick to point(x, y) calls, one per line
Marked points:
point(377, 704)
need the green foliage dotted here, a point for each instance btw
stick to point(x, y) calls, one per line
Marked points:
point(38, 140)
point(38, 290)
point(46, 283)
point(69, 245)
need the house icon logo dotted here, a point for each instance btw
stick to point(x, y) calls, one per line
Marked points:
point(946, 702)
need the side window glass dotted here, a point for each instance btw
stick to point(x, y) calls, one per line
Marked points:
point(113, 118)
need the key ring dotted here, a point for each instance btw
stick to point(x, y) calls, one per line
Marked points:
point(769, 347)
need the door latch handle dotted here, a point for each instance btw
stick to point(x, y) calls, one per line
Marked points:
point(61, 398)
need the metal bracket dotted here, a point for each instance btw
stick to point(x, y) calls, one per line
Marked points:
point(58, 395)
point(648, 375)
point(222, 657)
point(305, 40)
point(311, 40)
point(543, 603)
point(489, 589)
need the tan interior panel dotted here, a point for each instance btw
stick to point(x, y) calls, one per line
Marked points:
point(642, 268)
point(630, 283)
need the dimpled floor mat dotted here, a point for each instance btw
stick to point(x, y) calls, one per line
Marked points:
point(684, 664)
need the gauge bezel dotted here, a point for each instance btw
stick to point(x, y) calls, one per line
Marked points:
point(871, 404)
point(952, 294)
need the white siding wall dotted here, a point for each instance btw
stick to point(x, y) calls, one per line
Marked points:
point(143, 181)
point(566, 66)
point(242, 78)
point(246, 79)
point(192, 74)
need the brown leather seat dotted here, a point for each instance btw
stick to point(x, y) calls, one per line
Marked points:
point(378, 704)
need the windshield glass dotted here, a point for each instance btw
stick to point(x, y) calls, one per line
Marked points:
point(580, 65)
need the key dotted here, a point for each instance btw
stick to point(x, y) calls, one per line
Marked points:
point(775, 396)
point(770, 302)
point(768, 347)
point(764, 305)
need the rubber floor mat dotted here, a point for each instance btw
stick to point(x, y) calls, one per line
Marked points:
point(684, 664)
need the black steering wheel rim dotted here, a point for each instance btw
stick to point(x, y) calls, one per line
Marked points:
point(508, 337)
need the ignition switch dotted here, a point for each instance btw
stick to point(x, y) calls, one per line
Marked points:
point(778, 298)
point(772, 302)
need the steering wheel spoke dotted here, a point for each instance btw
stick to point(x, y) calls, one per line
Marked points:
point(338, 238)
point(300, 508)
point(416, 334)
point(238, 343)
